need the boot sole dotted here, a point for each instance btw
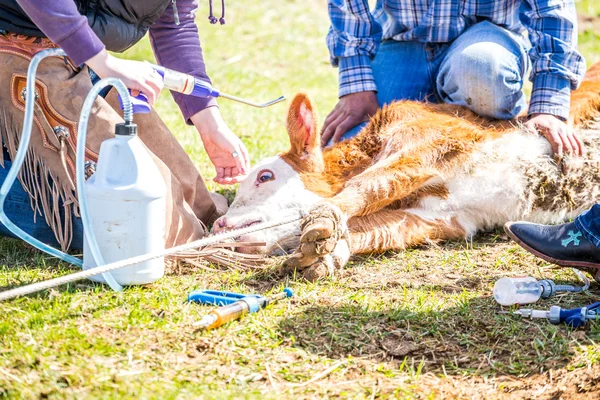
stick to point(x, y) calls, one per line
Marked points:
point(562, 263)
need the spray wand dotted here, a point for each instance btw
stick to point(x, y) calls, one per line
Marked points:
point(187, 84)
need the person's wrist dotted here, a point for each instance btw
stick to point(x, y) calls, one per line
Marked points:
point(365, 94)
point(100, 63)
point(538, 114)
point(208, 121)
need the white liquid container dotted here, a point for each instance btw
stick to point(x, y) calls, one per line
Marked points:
point(524, 290)
point(126, 203)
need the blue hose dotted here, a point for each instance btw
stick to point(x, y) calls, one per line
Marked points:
point(19, 158)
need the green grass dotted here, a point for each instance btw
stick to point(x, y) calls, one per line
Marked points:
point(419, 324)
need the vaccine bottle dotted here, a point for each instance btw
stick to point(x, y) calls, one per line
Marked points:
point(521, 290)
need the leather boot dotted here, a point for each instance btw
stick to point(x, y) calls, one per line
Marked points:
point(563, 245)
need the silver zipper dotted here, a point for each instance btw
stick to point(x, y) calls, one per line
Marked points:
point(175, 13)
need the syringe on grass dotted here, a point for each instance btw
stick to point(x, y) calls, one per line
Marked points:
point(232, 309)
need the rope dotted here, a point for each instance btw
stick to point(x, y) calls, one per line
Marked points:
point(36, 287)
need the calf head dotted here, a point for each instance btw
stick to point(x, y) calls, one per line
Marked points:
point(274, 188)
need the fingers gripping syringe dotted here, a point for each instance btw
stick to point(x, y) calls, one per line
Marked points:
point(187, 84)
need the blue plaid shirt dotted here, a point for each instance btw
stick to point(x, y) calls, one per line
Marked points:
point(557, 66)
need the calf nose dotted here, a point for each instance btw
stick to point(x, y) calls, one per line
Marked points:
point(220, 224)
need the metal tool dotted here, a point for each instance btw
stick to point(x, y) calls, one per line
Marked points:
point(573, 317)
point(232, 305)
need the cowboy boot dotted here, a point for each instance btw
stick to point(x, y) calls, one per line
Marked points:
point(563, 245)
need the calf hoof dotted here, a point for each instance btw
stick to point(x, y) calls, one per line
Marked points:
point(298, 262)
point(314, 268)
point(320, 270)
point(324, 226)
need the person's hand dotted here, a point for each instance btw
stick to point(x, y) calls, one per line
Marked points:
point(350, 111)
point(225, 150)
point(559, 134)
point(136, 75)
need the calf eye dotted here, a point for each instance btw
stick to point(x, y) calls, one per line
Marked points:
point(265, 176)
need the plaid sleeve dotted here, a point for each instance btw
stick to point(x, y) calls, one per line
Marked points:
point(352, 41)
point(558, 67)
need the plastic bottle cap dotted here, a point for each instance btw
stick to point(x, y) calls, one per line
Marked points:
point(125, 129)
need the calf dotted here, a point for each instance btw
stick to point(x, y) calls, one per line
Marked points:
point(417, 173)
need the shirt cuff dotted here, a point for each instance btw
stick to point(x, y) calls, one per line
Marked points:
point(82, 44)
point(190, 105)
point(551, 94)
point(356, 75)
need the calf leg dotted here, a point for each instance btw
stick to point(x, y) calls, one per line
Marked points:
point(400, 229)
point(364, 195)
point(375, 233)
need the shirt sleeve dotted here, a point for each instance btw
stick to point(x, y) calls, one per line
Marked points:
point(557, 66)
point(178, 47)
point(353, 39)
point(61, 22)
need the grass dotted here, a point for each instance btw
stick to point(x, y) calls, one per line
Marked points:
point(418, 324)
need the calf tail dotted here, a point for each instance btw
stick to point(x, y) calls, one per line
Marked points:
point(585, 101)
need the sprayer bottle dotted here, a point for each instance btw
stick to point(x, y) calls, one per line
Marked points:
point(126, 197)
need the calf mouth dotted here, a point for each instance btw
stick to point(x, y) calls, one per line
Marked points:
point(244, 225)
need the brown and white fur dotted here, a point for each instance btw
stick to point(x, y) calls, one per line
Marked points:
point(417, 173)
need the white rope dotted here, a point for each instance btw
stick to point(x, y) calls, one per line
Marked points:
point(207, 241)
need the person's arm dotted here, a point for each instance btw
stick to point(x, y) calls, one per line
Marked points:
point(61, 22)
point(178, 47)
point(557, 69)
point(353, 39)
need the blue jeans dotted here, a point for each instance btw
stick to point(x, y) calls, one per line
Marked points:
point(18, 209)
point(483, 70)
point(589, 224)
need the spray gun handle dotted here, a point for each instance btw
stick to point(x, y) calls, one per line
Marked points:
point(139, 103)
point(574, 317)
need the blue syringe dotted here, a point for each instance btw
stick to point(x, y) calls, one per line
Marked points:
point(233, 305)
point(573, 317)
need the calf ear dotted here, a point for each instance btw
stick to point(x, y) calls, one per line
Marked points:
point(302, 126)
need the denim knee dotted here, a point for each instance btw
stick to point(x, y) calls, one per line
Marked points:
point(589, 224)
point(350, 134)
point(485, 77)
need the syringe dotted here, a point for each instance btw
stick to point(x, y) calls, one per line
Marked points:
point(232, 310)
point(191, 86)
point(573, 317)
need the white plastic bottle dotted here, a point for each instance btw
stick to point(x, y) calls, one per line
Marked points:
point(522, 290)
point(126, 202)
